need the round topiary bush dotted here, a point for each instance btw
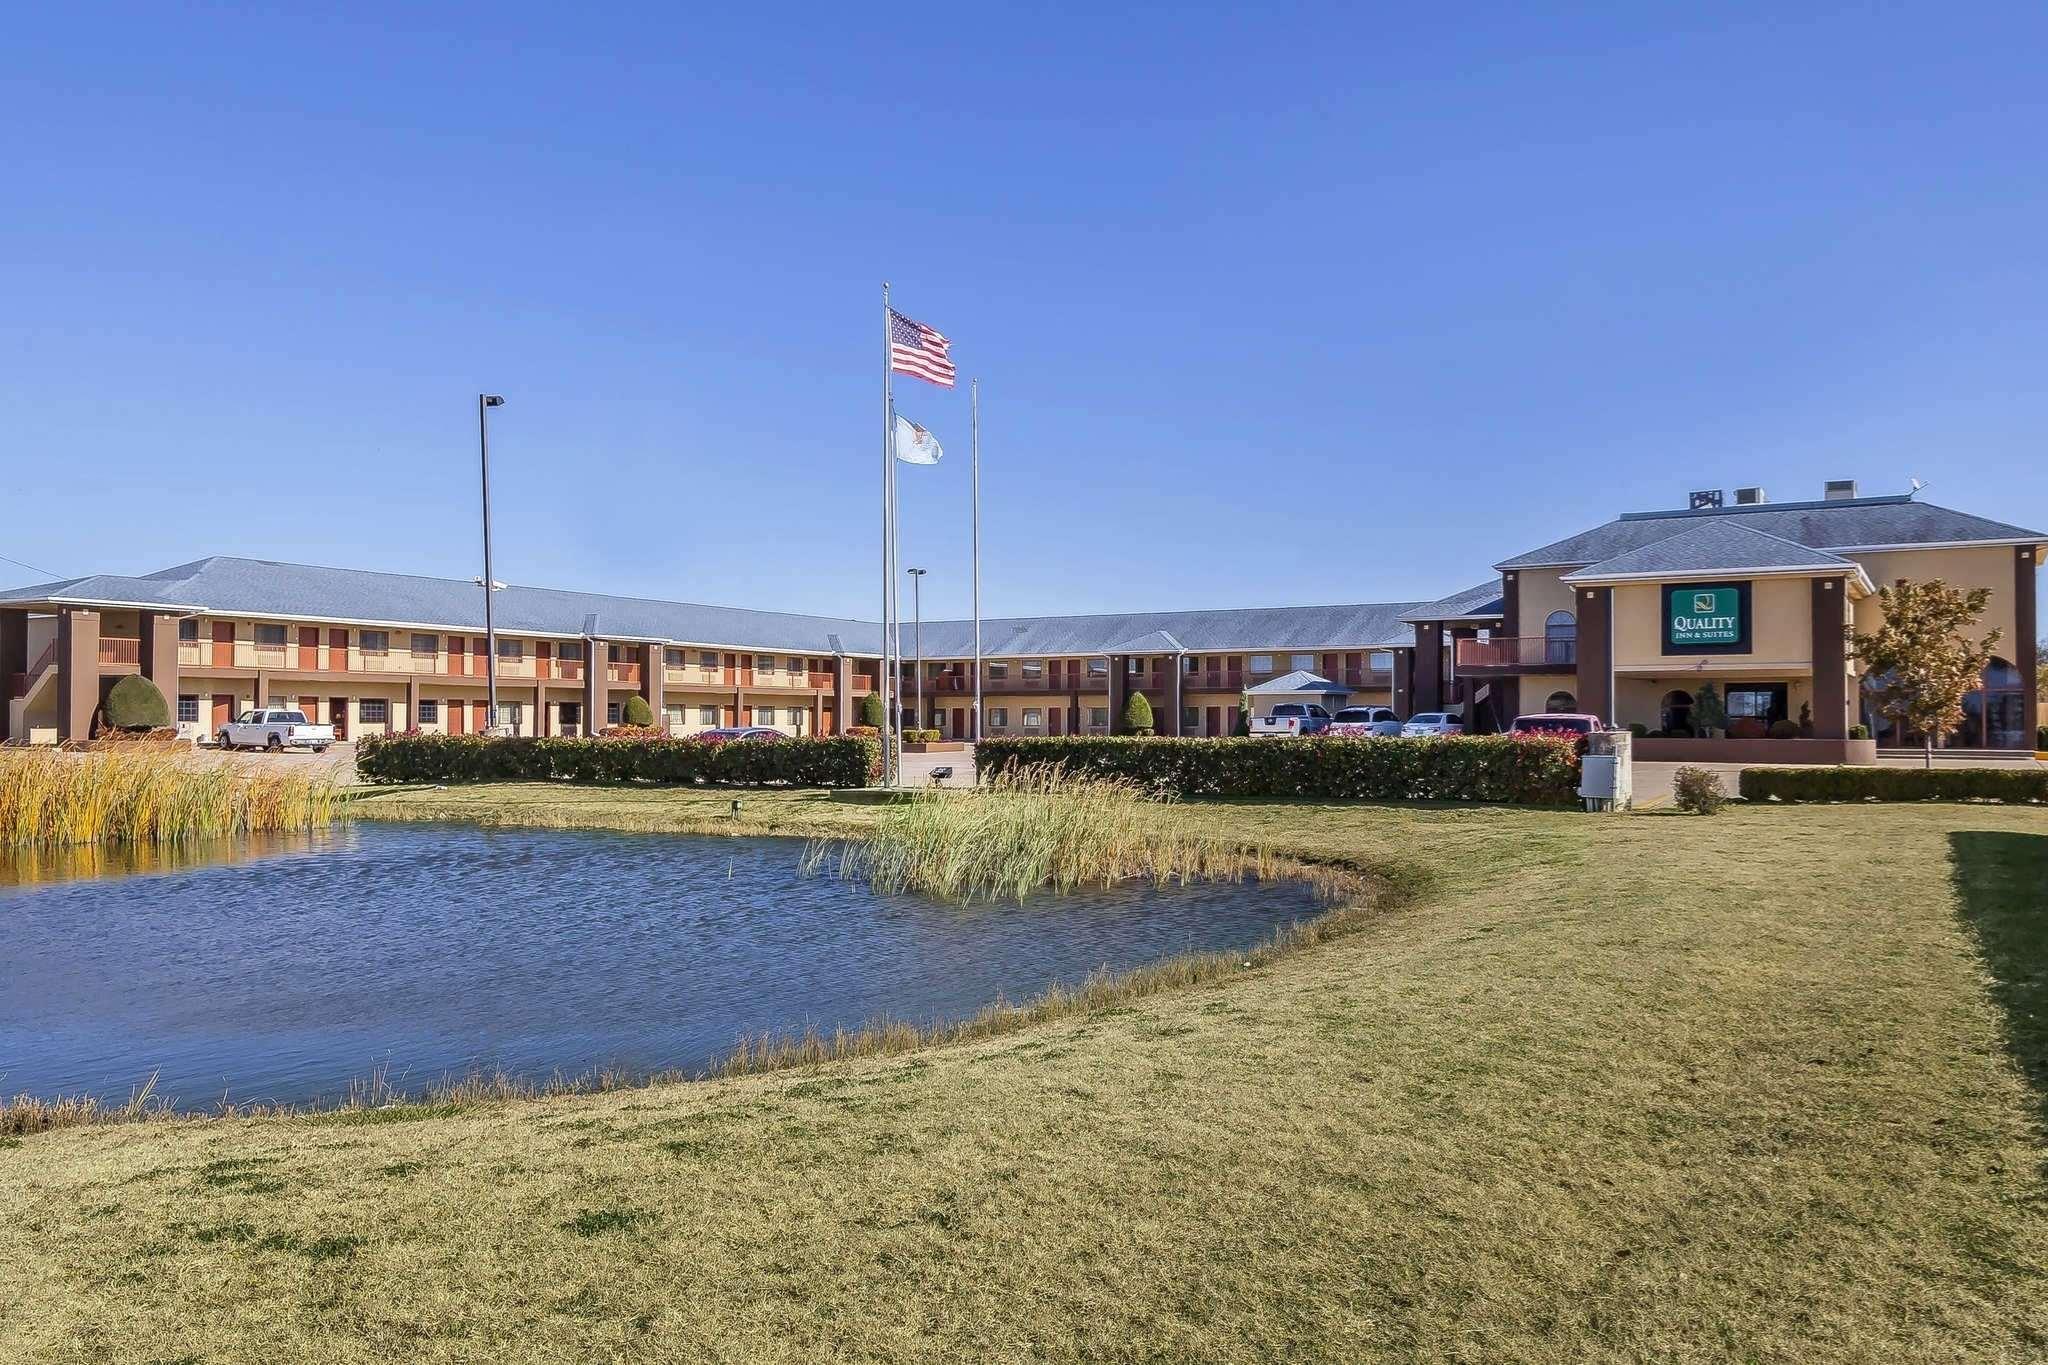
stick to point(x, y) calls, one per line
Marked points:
point(1137, 716)
point(636, 711)
point(1638, 729)
point(134, 703)
point(1784, 729)
point(871, 712)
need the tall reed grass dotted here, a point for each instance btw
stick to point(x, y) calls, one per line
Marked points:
point(1033, 829)
point(52, 799)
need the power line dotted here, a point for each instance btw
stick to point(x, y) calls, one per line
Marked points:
point(30, 567)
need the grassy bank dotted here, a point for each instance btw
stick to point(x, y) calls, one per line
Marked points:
point(53, 799)
point(1762, 1087)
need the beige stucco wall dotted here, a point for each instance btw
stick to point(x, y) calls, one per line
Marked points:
point(1781, 630)
point(1991, 566)
point(1541, 593)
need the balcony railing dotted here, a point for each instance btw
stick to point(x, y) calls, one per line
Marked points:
point(1526, 651)
point(623, 671)
point(120, 649)
point(1215, 680)
point(1049, 682)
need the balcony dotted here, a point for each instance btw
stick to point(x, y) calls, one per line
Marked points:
point(1214, 680)
point(120, 649)
point(623, 671)
point(1519, 654)
point(1027, 683)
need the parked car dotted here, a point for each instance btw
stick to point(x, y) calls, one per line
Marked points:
point(1433, 725)
point(1292, 718)
point(1361, 722)
point(732, 732)
point(1556, 723)
point(275, 730)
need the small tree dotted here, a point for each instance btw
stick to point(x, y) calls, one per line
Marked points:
point(134, 703)
point(1137, 715)
point(1708, 714)
point(636, 711)
point(1922, 656)
point(871, 712)
point(1244, 715)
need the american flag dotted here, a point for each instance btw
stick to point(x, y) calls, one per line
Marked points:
point(918, 351)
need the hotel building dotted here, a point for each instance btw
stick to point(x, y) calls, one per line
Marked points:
point(1626, 620)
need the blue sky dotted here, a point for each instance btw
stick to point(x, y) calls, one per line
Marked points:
point(1282, 305)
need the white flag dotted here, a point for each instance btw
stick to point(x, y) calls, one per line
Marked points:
point(915, 445)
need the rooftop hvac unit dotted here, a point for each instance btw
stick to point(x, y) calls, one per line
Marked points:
point(1705, 497)
point(1749, 497)
point(1840, 490)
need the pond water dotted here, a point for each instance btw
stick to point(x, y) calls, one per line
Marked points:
point(285, 970)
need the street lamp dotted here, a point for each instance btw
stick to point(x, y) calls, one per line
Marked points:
point(484, 403)
point(917, 609)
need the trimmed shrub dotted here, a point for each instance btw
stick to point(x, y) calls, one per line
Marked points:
point(1697, 790)
point(839, 761)
point(2040, 739)
point(872, 712)
point(134, 703)
point(1137, 715)
point(1784, 729)
point(1895, 784)
point(1863, 732)
point(636, 712)
point(1520, 770)
point(1639, 730)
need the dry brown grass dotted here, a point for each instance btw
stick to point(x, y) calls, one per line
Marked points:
point(146, 796)
point(1616, 1089)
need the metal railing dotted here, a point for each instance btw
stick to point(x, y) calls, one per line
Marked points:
point(120, 649)
point(1523, 651)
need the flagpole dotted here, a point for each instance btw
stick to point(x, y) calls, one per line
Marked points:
point(885, 685)
point(974, 408)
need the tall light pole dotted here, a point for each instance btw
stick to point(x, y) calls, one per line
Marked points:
point(484, 403)
point(917, 610)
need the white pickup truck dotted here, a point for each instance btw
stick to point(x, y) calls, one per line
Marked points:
point(1292, 718)
point(275, 730)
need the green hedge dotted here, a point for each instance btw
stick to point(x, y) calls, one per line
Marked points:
point(1895, 784)
point(839, 761)
point(1538, 771)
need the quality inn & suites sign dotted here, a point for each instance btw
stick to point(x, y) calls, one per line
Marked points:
point(1706, 618)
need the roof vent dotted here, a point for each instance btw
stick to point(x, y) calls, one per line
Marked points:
point(1840, 490)
point(1704, 498)
point(1749, 497)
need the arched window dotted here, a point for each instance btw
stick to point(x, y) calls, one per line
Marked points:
point(2006, 724)
point(1560, 637)
point(1558, 702)
point(1675, 712)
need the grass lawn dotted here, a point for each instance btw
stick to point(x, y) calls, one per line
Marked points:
point(1762, 1087)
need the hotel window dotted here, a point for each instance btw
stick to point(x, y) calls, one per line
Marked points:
point(999, 718)
point(1033, 718)
point(1304, 662)
point(1190, 664)
point(188, 710)
point(1098, 717)
point(270, 637)
point(570, 651)
point(672, 658)
point(764, 663)
point(188, 630)
point(430, 712)
point(1381, 660)
point(618, 654)
point(372, 641)
point(997, 672)
point(509, 713)
point(611, 713)
point(1098, 668)
point(426, 646)
point(707, 715)
point(374, 710)
point(1134, 665)
point(571, 713)
point(515, 650)
point(707, 658)
point(1190, 720)
point(1262, 663)
point(1033, 670)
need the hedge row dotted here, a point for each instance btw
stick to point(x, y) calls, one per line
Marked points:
point(838, 761)
point(1895, 784)
point(1528, 770)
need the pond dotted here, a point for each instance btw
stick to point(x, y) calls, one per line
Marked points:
point(284, 970)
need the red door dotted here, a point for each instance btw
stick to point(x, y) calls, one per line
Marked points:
point(337, 653)
point(224, 647)
point(480, 715)
point(337, 716)
point(455, 715)
point(223, 709)
point(1052, 719)
point(309, 647)
point(543, 654)
point(1214, 718)
point(959, 722)
point(477, 665)
point(1230, 720)
point(311, 706)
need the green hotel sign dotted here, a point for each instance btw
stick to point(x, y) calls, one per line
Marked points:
point(1706, 618)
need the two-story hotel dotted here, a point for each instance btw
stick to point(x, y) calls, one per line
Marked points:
point(1626, 620)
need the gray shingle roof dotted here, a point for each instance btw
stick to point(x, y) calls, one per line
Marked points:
point(1714, 546)
point(1301, 680)
point(253, 587)
point(1851, 523)
point(1481, 599)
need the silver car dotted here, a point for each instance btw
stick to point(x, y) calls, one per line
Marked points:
point(1362, 722)
point(1433, 725)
